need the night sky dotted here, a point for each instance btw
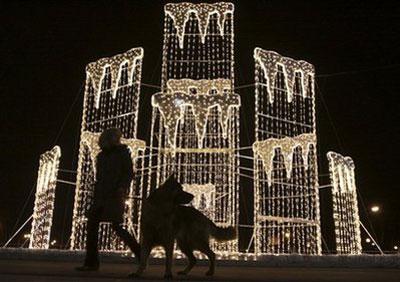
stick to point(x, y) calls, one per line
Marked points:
point(354, 46)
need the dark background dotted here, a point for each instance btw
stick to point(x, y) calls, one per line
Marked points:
point(354, 45)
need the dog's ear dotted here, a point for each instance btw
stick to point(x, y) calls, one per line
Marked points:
point(170, 179)
point(169, 182)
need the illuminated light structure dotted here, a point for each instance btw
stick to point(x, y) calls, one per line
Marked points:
point(345, 206)
point(111, 100)
point(195, 120)
point(286, 197)
point(44, 199)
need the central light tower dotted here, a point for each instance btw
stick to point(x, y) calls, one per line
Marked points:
point(195, 121)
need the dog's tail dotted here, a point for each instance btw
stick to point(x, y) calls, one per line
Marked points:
point(223, 233)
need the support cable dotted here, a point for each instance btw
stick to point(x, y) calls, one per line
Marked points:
point(372, 238)
point(54, 142)
point(17, 232)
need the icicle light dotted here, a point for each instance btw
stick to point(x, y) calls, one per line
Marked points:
point(266, 150)
point(172, 106)
point(180, 14)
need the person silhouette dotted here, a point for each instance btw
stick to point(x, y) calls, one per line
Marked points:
point(114, 173)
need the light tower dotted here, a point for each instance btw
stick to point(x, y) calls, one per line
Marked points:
point(111, 100)
point(44, 199)
point(195, 121)
point(286, 197)
point(345, 205)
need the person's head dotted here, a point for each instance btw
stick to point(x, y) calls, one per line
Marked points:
point(109, 138)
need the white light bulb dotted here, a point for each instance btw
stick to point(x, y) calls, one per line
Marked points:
point(375, 209)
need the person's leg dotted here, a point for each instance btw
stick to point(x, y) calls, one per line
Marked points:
point(92, 253)
point(128, 239)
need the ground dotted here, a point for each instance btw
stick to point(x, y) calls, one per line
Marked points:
point(31, 270)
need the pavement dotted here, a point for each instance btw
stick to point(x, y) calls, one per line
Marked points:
point(58, 265)
point(40, 271)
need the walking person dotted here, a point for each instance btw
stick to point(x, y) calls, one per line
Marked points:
point(114, 173)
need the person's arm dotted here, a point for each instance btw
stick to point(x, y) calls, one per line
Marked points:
point(126, 170)
point(99, 168)
point(99, 177)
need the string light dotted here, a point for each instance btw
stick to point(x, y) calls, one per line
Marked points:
point(44, 199)
point(286, 199)
point(345, 206)
point(111, 100)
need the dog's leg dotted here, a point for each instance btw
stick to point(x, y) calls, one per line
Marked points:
point(144, 255)
point(169, 253)
point(192, 259)
point(211, 256)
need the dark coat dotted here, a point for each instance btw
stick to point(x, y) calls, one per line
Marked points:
point(114, 173)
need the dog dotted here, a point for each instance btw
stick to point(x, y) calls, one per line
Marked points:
point(166, 219)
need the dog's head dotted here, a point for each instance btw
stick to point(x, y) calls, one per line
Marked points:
point(175, 189)
point(171, 192)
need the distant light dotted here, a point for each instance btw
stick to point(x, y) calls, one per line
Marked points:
point(373, 244)
point(53, 242)
point(396, 248)
point(375, 209)
point(178, 102)
point(368, 240)
point(27, 236)
point(287, 234)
